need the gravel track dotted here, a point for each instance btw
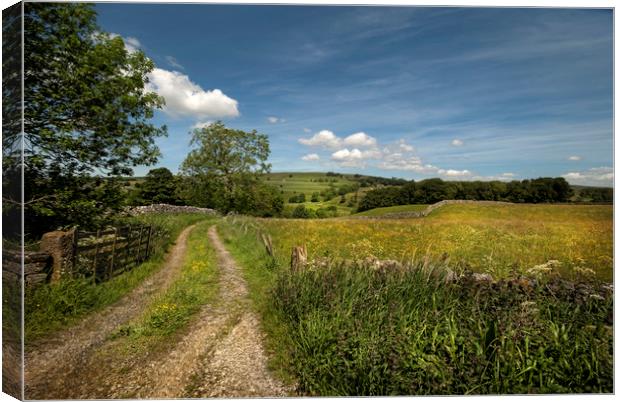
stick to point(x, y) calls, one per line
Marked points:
point(220, 353)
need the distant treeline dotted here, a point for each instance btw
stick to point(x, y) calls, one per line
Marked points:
point(429, 191)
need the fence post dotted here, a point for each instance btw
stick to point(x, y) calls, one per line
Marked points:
point(59, 245)
point(95, 259)
point(111, 268)
point(137, 257)
point(299, 258)
point(126, 253)
point(148, 243)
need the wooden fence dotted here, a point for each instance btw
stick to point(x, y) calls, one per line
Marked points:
point(103, 254)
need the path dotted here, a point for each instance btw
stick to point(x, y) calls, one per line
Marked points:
point(219, 355)
point(52, 362)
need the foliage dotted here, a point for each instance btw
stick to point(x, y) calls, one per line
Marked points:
point(433, 190)
point(596, 194)
point(85, 113)
point(361, 331)
point(54, 306)
point(223, 171)
point(159, 187)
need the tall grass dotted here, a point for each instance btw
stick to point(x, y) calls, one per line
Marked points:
point(355, 330)
point(359, 331)
point(51, 307)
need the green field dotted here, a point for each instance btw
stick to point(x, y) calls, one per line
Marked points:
point(351, 329)
point(307, 183)
point(494, 239)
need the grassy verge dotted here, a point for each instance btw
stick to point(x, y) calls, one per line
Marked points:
point(171, 311)
point(355, 330)
point(52, 307)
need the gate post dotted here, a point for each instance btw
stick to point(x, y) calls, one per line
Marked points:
point(59, 245)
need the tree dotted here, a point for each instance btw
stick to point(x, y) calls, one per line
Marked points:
point(86, 111)
point(227, 163)
point(159, 187)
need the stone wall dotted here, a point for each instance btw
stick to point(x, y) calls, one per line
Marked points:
point(431, 208)
point(161, 208)
point(37, 266)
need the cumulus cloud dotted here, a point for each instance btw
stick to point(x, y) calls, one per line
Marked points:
point(360, 139)
point(274, 120)
point(186, 98)
point(311, 157)
point(327, 139)
point(352, 158)
point(456, 142)
point(324, 138)
point(597, 176)
point(574, 158)
point(454, 173)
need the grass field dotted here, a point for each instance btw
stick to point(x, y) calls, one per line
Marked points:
point(307, 183)
point(492, 239)
point(393, 210)
point(355, 330)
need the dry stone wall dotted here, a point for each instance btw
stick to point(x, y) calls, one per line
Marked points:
point(167, 208)
point(431, 208)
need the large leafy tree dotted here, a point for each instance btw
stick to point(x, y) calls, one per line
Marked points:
point(159, 187)
point(86, 115)
point(224, 169)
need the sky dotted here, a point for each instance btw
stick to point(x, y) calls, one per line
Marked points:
point(411, 92)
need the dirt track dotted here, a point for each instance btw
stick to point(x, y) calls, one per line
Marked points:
point(220, 354)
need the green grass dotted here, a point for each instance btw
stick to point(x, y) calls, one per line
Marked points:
point(51, 307)
point(494, 239)
point(392, 210)
point(196, 286)
point(355, 330)
point(306, 183)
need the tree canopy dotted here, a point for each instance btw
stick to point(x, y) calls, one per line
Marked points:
point(86, 113)
point(223, 171)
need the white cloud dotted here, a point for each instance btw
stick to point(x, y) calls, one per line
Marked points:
point(174, 62)
point(202, 124)
point(454, 173)
point(596, 176)
point(307, 130)
point(360, 139)
point(185, 98)
point(311, 157)
point(574, 158)
point(456, 142)
point(274, 120)
point(352, 158)
point(323, 138)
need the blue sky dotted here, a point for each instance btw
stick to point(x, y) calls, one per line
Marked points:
point(413, 92)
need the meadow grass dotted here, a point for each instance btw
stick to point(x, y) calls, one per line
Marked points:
point(171, 311)
point(392, 210)
point(497, 240)
point(51, 307)
point(354, 330)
